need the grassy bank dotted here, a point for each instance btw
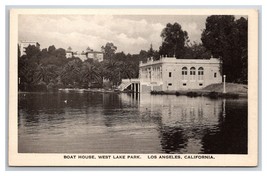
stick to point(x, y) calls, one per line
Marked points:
point(230, 88)
point(213, 91)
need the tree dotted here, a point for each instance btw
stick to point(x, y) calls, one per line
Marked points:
point(217, 33)
point(45, 74)
point(156, 55)
point(90, 73)
point(71, 73)
point(40, 74)
point(109, 50)
point(54, 57)
point(196, 51)
point(121, 56)
point(151, 51)
point(32, 51)
point(143, 55)
point(51, 49)
point(26, 71)
point(226, 38)
point(242, 26)
point(112, 71)
point(174, 40)
point(126, 70)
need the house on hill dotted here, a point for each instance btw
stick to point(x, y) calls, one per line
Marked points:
point(87, 54)
point(24, 44)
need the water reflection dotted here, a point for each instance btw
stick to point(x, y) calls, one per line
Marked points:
point(130, 123)
point(184, 121)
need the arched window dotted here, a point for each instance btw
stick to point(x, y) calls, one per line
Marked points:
point(200, 73)
point(184, 73)
point(192, 73)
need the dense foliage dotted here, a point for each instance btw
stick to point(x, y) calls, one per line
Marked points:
point(174, 41)
point(227, 38)
point(50, 69)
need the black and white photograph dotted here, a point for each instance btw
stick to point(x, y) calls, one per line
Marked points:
point(133, 87)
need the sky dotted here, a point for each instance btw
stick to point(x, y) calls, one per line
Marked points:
point(130, 33)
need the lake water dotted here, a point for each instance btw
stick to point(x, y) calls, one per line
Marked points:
point(88, 122)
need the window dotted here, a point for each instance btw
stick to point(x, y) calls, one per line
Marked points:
point(192, 73)
point(200, 73)
point(215, 75)
point(170, 74)
point(184, 84)
point(200, 84)
point(184, 73)
point(170, 84)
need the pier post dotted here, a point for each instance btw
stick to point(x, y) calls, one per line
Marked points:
point(133, 88)
point(224, 78)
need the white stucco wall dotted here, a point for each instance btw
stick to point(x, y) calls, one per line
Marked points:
point(174, 67)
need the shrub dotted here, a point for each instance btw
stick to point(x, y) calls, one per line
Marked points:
point(177, 93)
point(230, 95)
point(213, 95)
point(154, 92)
point(192, 94)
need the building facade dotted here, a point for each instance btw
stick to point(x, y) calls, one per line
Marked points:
point(24, 44)
point(69, 53)
point(171, 74)
point(81, 55)
point(96, 55)
point(88, 54)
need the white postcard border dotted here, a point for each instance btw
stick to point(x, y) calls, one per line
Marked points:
point(250, 159)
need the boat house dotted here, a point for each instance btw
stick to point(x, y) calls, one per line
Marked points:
point(171, 74)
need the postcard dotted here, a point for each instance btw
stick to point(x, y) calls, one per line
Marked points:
point(133, 87)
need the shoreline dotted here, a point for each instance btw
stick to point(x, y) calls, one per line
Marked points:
point(189, 93)
point(233, 90)
point(214, 91)
point(199, 93)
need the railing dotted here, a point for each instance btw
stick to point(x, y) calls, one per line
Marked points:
point(124, 85)
point(173, 59)
point(127, 82)
point(150, 62)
